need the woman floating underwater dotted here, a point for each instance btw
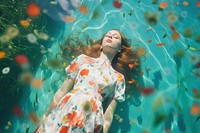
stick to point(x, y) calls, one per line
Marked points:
point(99, 76)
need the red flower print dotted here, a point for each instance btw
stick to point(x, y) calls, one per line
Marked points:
point(64, 101)
point(73, 67)
point(80, 123)
point(72, 117)
point(64, 129)
point(91, 82)
point(84, 72)
point(94, 105)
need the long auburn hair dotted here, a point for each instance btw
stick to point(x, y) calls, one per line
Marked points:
point(126, 62)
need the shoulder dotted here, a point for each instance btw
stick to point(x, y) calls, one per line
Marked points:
point(120, 76)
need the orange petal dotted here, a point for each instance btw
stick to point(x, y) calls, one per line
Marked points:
point(160, 44)
point(147, 54)
point(37, 83)
point(141, 51)
point(131, 65)
point(175, 35)
point(176, 114)
point(131, 81)
point(198, 4)
point(25, 22)
point(195, 109)
point(33, 10)
point(69, 19)
point(195, 91)
point(21, 59)
point(185, 3)
point(83, 9)
point(141, 73)
point(172, 28)
point(163, 5)
point(17, 110)
point(33, 117)
point(2, 54)
point(147, 91)
point(117, 4)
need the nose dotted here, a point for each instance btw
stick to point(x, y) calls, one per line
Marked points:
point(110, 36)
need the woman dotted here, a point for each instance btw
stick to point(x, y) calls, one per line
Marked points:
point(94, 78)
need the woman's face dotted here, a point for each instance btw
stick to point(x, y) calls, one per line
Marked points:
point(111, 42)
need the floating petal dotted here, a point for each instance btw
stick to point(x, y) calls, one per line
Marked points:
point(33, 10)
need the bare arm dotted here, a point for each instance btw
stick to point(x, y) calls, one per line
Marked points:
point(108, 115)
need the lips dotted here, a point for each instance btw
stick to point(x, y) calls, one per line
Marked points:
point(108, 40)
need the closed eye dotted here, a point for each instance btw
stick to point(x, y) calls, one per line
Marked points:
point(116, 37)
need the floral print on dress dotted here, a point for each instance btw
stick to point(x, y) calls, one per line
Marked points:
point(80, 110)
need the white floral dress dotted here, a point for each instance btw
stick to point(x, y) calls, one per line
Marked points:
point(80, 110)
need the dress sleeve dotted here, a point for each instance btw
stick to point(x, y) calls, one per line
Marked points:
point(72, 69)
point(119, 94)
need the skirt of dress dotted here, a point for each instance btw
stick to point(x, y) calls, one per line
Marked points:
point(77, 112)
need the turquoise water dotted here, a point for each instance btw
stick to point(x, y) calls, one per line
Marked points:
point(172, 78)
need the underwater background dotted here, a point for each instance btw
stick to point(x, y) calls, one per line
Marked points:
point(165, 33)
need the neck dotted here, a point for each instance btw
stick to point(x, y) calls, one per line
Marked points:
point(106, 57)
